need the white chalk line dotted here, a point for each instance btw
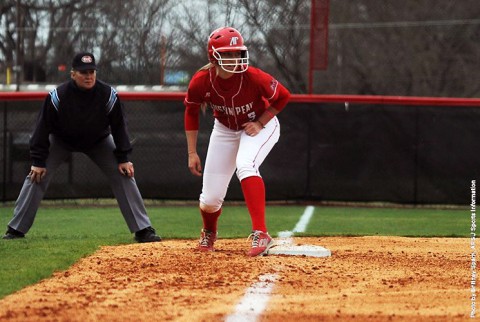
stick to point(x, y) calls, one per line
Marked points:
point(254, 301)
point(256, 297)
point(286, 237)
point(302, 224)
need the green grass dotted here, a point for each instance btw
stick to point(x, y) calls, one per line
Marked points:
point(62, 235)
point(390, 222)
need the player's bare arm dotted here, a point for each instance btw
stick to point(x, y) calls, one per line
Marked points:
point(194, 162)
point(269, 114)
point(253, 128)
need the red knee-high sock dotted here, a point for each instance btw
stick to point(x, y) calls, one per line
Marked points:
point(210, 219)
point(254, 193)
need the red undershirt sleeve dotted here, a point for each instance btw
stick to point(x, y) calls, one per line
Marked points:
point(281, 99)
point(191, 118)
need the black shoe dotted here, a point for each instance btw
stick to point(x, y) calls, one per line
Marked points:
point(13, 234)
point(147, 235)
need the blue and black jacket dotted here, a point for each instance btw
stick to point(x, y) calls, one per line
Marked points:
point(80, 119)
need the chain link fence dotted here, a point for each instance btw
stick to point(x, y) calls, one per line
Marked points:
point(412, 154)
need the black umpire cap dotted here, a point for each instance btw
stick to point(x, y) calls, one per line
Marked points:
point(84, 61)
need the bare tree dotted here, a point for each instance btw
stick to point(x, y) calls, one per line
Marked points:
point(421, 48)
point(191, 30)
point(125, 37)
point(279, 37)
point(270, 29)
point(7, 37)
point(411, 47)
point(133, 43)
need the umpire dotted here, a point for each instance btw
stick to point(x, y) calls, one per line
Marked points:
point(82, 115)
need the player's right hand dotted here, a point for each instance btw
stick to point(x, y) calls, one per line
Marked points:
point(37, 174)
point(194, 164)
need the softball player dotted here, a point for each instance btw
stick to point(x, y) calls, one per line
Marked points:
point(245, 101)
point(82, 115)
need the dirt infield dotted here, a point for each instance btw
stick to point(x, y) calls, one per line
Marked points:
point(365, 279)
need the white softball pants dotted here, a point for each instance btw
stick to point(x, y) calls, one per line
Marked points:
point(229, 150)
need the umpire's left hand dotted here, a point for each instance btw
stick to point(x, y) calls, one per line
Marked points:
point(37, 174)
point(126, 169)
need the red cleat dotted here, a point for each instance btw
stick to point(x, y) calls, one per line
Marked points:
point(261, 243)
point(207, 239)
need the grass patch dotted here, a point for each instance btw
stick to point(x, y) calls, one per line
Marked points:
point(63, 235)
point(390, 222)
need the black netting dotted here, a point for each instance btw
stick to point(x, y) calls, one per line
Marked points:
point(404, 154)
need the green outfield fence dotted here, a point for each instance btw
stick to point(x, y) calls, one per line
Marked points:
point(411, 150)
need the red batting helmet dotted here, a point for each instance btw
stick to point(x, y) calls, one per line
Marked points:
point(227, 39)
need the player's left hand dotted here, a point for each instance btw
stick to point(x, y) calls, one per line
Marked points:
point(194, 164)
point(126, 169)
point(252, 128)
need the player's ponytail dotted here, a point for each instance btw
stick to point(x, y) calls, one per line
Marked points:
point(206, 67)
point(204, 105)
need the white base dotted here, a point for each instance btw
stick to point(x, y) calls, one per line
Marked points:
point(284, 246)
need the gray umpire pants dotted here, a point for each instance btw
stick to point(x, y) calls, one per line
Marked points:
point(124, 188)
